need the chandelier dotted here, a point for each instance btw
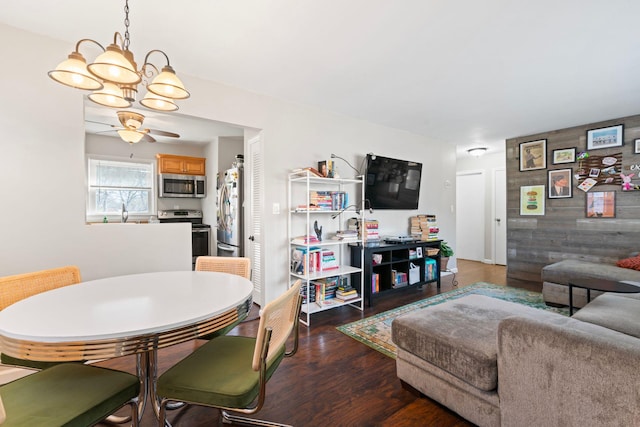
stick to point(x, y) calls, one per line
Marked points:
point(113, 77)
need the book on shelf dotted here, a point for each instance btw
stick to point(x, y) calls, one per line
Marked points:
point(375, 283)
point(346, 235)
point(305, 260)
point(329, 200)
point(430, 269)
point(424, 226)
point(305, 240)
point(347, 298)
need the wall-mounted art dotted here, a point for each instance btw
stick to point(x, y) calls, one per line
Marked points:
point(533, 155)
point(560, 184)
point(564, 155)
point(636, 148)
point(601, 204)
point(532, 200)
point(601, 169)
point(607, 137)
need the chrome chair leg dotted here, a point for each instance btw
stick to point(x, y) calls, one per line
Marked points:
point(228, 418)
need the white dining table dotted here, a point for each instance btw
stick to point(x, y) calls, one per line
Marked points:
point(124, 315)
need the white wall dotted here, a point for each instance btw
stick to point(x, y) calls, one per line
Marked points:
point(487, 163)
point(42, 152)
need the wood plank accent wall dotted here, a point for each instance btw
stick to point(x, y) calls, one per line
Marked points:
point(564, 232)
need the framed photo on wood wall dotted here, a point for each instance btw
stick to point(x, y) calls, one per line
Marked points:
point(560, 183)
point(532, 200)
point(533, 155)
point(607, 137)
point(601, 204)
point(564, 155)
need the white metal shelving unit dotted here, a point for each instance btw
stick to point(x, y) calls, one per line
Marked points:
point(300, 222)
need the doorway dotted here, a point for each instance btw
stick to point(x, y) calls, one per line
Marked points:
point(500, 216)
point(470, 215)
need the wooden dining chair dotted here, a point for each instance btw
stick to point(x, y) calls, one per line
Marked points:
point(231, 372)
point(70, 394)
point(20, 286)
point(240, 266)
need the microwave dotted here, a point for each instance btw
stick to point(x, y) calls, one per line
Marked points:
point(171, 185)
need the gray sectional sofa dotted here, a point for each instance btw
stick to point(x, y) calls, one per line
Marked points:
point(498, 363)
point(556, 276)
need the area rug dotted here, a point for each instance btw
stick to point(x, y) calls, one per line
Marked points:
point(375, 331)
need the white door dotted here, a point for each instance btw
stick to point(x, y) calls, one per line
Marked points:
point(470, 217)
point(254, 220)
point(500, 216)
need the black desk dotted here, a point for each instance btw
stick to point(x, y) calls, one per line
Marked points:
point(600, 285)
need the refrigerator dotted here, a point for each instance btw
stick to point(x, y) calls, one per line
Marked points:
point(230, 212)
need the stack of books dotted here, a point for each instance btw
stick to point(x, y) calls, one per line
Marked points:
point(370, 230)
point(346, 293)
point(326, 290)
point(346, 235)
point(424, 227)
point(328, 260)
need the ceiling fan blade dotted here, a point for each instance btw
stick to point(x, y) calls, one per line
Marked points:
point(148, 138)
point(163, 133)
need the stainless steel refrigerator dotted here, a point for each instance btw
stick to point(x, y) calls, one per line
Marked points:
point(230, 212)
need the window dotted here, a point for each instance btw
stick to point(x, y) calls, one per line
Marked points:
point(114, 182)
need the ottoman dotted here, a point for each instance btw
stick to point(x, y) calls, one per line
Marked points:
point(449, 352)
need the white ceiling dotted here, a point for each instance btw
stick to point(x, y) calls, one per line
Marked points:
point(466, 72)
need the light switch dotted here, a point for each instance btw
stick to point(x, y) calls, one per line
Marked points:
point(276, 208)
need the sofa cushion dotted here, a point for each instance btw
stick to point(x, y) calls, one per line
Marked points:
point(631, 262)
point(563, 271)
point(613, 311)
point(460, 336)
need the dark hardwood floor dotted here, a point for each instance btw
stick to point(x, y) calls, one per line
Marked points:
point(334, 380)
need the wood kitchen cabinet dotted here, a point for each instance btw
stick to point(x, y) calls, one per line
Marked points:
point(169, 163)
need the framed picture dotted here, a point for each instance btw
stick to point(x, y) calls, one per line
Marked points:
point(637, 146)
point(560, 183)
point(532, 200)
point(564, 155)
point(605, 137)
point(533, 155)
point(419, 252)
point(601, 204)
point(323, 169)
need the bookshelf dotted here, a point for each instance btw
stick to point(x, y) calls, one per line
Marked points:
point(389, 267)
point(324, 205)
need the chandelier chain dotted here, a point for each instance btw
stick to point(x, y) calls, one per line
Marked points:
point(126, 25)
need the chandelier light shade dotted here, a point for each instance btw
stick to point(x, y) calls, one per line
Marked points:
point(112, 66)
point(73, 72)
point(114, 77)
point(110, 96)
point(157, 102)
point(168, 85)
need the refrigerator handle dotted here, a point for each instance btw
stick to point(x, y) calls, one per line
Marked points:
point(224, 247)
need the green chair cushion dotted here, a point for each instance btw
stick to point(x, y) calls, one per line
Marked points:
point(14, 361)
point(218, 374)
point(68, 394)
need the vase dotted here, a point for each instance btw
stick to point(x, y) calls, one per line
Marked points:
point(443, 263)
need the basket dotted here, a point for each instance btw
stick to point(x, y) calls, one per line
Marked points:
point(432, 251)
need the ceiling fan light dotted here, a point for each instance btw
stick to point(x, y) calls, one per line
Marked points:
point(167, 84)
point(73, 72)
point(158, 103)
point(110, 96)
point(114, 67)
point(130, 136)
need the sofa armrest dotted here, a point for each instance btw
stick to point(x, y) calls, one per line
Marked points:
point(571, 373)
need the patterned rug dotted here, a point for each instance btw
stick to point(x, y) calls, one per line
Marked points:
point(375, 331)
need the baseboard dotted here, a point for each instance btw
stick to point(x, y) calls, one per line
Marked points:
point(488, 261)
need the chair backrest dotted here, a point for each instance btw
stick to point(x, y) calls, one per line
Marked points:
point(280, 316)
point(240, 266)
point(20, 286)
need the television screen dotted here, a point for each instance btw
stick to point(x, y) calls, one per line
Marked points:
point(392, 183)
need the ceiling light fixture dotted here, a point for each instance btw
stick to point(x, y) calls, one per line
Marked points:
point(114, 78)
point(477, 152)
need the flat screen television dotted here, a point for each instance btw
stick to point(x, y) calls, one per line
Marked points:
point(392, 183)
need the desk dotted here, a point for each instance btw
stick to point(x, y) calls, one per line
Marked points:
point(119, 316)
point(600, 285)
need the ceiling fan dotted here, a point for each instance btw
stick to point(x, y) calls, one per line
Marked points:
point(132, 131)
